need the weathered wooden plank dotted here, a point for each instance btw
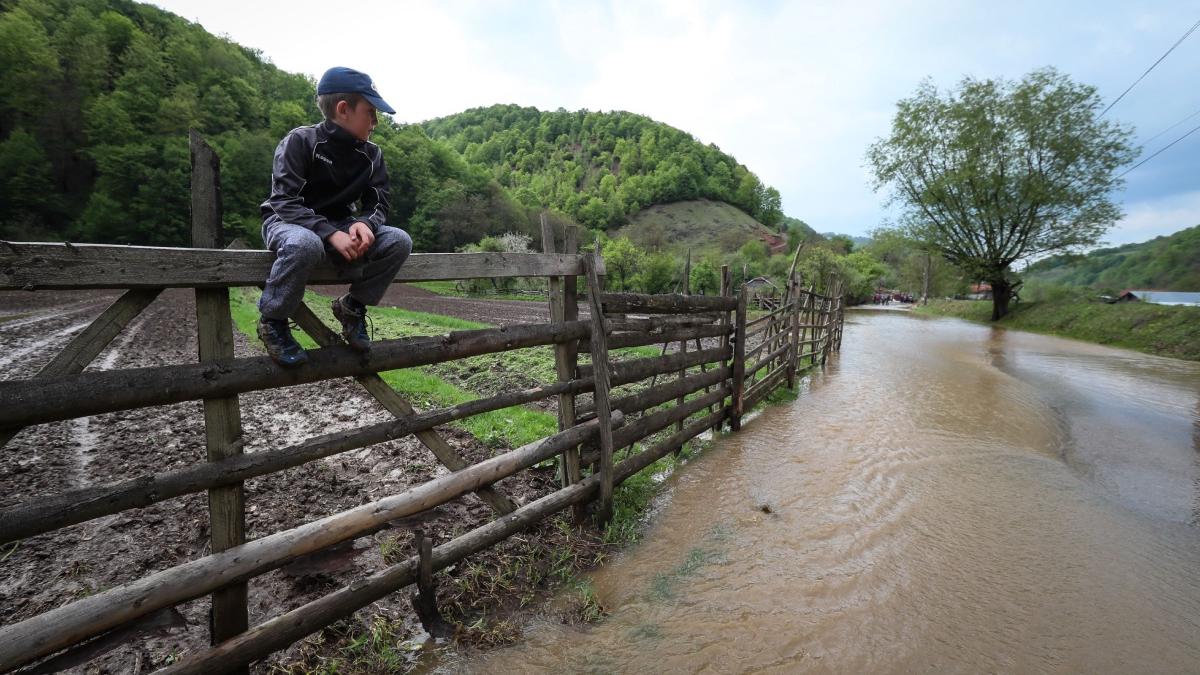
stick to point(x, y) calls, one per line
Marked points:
point(24, 402)
point(664, 321)
point(222, 416)
point(51, 631)
point(86, 346)
point(763, 388)
point(768, 359)
point(402, 409)
point(564, 307)
point(726, 321)
point(600, 394)
point(41, 266)
point(681, 334)
point(739, 361)
point(622, 372)
point(794, 329)
point(657, 395)
point(637, 303)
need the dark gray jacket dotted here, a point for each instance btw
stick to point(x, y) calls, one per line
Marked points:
point(324, 179)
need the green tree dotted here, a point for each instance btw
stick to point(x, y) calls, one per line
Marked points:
point(622, 260)
point(998, 171)
point(658, 274)
point(706, 277)
point(25, 185)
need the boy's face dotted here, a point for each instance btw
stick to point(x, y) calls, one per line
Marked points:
point(359, 120)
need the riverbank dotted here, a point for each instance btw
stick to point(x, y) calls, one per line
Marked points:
point(1162, 330)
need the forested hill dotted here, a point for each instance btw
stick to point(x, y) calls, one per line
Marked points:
point(96, 99)
point(1170, 263)
point(600, 168)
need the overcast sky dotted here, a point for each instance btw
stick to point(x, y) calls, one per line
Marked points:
point(794, 90)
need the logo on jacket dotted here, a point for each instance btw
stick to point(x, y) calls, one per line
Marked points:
point(325, 159)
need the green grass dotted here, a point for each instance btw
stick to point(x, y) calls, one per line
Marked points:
point(1162, 330)
point(427, 387)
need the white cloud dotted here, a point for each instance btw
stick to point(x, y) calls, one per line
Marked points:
point(1149, 219)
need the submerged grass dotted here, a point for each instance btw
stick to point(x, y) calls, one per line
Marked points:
point(1162, 330)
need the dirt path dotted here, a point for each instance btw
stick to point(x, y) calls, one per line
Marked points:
point(46, 571)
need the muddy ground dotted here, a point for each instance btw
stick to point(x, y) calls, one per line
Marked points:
point(47, 571)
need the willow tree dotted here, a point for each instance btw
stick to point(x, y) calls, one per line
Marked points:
point(999, 171)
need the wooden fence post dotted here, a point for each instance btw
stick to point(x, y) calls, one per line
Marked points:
point(726, 291)
point(222, 417)
point(794, 312)
point(600, 367)
point(564, 306)
point(687, 290)
point(739, 361)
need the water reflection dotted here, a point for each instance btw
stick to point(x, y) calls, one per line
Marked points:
point(944, 497)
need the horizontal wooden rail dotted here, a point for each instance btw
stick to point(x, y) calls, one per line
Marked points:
point(678, 361)
point(50, 631)
point(636, 303)
point(620, 340)
point(769, 341)
point(770, 315)
point(37, 266)
point(767, 359)
point(663, 321)
point(25, 402)
point(648, 398)
point(653, 423)
point(763, 388)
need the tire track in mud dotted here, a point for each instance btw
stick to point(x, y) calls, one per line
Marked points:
point(84, 438)
point(12, 356)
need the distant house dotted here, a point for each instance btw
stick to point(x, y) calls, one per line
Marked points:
point(763, 293)
point(1125, 296)
point(981, 291)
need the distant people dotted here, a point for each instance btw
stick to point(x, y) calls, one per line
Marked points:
point(329, 199)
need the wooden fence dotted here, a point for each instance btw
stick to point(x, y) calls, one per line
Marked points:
point(701, 388)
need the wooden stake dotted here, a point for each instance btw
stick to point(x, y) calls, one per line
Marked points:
point(424, 601)
point(222, 416)
point(564, 307)
point(739, 361)
point(603, 413)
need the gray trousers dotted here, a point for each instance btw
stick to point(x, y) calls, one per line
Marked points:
point(298, 250)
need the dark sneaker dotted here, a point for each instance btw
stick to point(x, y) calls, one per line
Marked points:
point(281, 346)
point(353, 317)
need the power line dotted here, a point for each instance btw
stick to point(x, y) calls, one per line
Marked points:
point(1194, 130)
point(1147, 141)
point(1185, 35)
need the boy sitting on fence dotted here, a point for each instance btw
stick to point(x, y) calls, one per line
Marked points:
point(329, 197)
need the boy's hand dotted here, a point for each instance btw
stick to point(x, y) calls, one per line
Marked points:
point(362, 236)
point(344, 244)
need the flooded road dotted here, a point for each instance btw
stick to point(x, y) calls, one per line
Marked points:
point(945, 497)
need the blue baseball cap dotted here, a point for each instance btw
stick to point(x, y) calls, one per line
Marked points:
point(341, 80)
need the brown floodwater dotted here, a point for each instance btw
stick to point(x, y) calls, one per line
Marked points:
point(944, 497)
